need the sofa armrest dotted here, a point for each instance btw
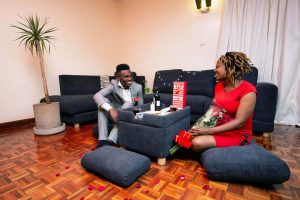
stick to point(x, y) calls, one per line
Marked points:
point(74, 104)
point(53, 98)
point(266, 102)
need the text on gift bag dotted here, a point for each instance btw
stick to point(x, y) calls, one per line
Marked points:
point(179, 95)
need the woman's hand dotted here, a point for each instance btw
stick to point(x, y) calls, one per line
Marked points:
point(200, 131)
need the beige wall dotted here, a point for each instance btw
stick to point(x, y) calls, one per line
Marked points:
point(95, 35)
point(168, 34)
point(87, 43)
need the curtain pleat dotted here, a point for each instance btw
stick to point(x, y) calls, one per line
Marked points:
point(268, 31)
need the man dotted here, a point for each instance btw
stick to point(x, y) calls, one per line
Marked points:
point(121, 92)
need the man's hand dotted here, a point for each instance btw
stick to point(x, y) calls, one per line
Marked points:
point(200, 131)
point(113, 114)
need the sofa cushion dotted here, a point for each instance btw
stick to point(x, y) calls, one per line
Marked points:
point(200, 82)
point(266, 102)
point(163, 80)
point(74, 104)
point(118, 165)
point(249, 163)
point(199, 104)
point(79, 84)
point(252, 76)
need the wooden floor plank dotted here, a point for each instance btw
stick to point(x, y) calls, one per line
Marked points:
point(48, 167)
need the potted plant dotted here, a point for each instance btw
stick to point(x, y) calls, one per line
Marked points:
point(35, 37)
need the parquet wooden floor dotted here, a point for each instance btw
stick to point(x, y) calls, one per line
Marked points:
point(48, 167)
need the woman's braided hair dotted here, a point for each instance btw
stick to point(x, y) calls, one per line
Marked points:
point(236, 65)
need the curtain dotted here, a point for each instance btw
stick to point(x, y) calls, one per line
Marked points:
point(268, 31)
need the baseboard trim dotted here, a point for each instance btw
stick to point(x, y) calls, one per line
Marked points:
point(16, 123)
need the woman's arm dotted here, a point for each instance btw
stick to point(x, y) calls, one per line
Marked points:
point(245, 109)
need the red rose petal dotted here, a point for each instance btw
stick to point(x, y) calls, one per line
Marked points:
point(146, 191)
point(157, 181)
point(82, 198)
point(57, 174)
point(101, 188)
point(90, 187)
point(206, 187)
point(182, 178)
point(138, 186)
point(67, 166)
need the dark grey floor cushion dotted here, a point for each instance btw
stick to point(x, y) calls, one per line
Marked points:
point(118, 165)
point(249, 163)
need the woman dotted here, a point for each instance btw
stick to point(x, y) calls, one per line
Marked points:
point(237, 97)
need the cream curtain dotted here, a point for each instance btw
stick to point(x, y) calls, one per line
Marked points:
point(268, 31)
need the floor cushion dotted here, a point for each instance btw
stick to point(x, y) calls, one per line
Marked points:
point(117, 165)
point(249, 163)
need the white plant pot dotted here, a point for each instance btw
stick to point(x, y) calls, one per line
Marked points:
point(47, 119)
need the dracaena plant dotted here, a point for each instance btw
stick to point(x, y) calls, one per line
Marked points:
point(35, 37)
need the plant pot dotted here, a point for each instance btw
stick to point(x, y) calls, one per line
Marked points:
point(47, 119)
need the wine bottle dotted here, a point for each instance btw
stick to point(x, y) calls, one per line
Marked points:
point(156, 101)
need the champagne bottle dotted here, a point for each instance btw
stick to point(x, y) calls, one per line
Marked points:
point(156, 99)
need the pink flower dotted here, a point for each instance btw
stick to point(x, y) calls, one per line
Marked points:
point(67, 166)
point(101, 188)
point(90, 187)
point(182, 178)
point(206, 187)
point(157, 181)
point(135, 99)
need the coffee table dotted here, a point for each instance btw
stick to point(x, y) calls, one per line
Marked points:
point(152, 134)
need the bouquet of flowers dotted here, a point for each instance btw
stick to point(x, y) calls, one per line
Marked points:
point(214, 116)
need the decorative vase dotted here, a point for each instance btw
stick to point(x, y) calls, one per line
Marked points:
point(47, 119)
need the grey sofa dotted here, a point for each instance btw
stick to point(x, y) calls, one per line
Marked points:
point(76, 100)
point(200, 93)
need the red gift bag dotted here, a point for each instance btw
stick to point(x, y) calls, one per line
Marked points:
point(179, 95)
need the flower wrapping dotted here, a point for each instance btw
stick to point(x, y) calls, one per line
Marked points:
point(214, 116)
point(184, 139)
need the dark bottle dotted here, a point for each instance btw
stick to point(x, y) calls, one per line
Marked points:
point(156, 101)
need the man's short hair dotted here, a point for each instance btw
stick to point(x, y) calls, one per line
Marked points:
point(121, 67)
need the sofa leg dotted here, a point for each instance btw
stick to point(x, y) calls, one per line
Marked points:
point(161, 161)
point(77, 125)
point(266, 134)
